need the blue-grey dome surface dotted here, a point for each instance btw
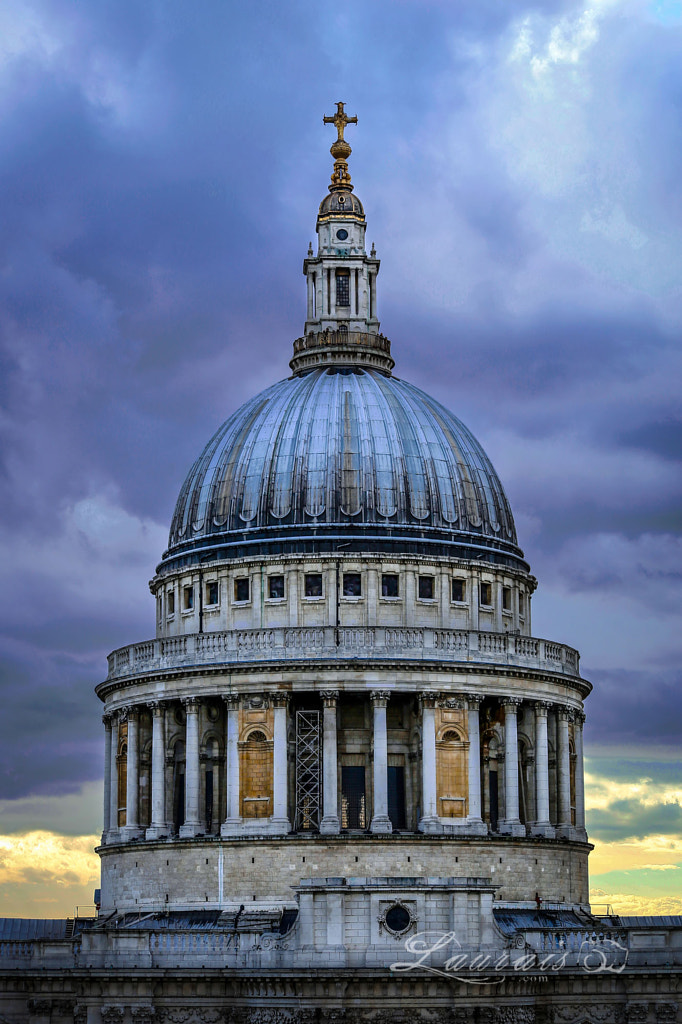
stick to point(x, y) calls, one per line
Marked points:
point(342, 453)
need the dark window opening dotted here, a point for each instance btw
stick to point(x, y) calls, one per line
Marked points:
point(521, 604)
point(459, 590)
point(188, 600)
point(241, 589)
point(342, 288)
point(396, 796)
point(426, 588)
point(275, 587)
point(209, 800)
point(353, 810)
point(313, 584)
point(494, 811)
point(171, 602)
point(179, 798)
point(506, 598)
point(486, 593)
point(352, 584)
point(212, 592)
point(389, 585)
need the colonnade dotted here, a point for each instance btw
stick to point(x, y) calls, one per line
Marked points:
point(570, 821)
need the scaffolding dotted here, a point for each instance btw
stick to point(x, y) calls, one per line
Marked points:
point(308, 781)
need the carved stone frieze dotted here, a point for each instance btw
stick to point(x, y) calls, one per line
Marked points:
point(112, 1014)
point(666, 1013)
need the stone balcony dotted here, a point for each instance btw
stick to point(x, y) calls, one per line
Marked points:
point(344, 643)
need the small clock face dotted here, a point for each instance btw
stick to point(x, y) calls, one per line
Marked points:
point(342, 234)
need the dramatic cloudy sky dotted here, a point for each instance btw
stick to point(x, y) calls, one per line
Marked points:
point(160, 169)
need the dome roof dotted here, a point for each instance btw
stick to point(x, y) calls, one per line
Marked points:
point(341, 203)
point(342, 455)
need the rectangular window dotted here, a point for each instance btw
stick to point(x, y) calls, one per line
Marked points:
point(486, 593)
point(506, 598)
point(352, 584)
point(241, 589)
point(426, 588)
point(389, 585)
point(188, 599)
point(171, 602)
point(313, 584)
point(459, 590)
point(342, 288)
point(275, 587)
point(212, 592)
point(522, 603)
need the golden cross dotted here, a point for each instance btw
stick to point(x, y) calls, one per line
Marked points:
point(340, 119)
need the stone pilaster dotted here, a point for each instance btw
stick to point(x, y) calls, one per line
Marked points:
point(192, 824)
point(380, 819)
point(279, 822)
point(474, 824)
point(106, 719)
point(233, 821)
point(542, 825)
point(132, 828)
point(159, 826)
point(564, 829)
point(330, 809)
point(511, 823)
point(580, 831)
point(429, 821)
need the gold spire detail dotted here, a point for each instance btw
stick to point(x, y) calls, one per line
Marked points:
point(340, 149)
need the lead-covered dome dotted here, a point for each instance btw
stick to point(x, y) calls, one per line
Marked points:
point(342, 457)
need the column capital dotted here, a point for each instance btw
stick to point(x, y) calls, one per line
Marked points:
point(191, 705)
point(130, 712)
point(329, 698)
point(157, 707)
point(450, 701)
point(279, 698)
point(542, 707)
point(563, 713)
point(379, 698)
point(428, 698)
point(232, 700)
point(511, 705)
point(579, 717)
point(108, 719)
point(474, 700)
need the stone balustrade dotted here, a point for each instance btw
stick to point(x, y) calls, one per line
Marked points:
point(357, 642)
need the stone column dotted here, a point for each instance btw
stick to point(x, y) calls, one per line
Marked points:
point(429, 821)
point(106, 822)
point(233, 822)
point(511, 824)
point(475, 824)
point(132, 828)
point(192, 825)
point(113, 806)
point(159, 826)
point(279, 822)
point(380, 819)
point(580, 831)
point(542, 825)
point(564, 829)
point(330, 811)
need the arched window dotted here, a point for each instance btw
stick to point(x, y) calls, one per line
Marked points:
point(451, 775)
point(256, 775)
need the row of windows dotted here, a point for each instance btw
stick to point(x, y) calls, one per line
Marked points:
point(351, 587)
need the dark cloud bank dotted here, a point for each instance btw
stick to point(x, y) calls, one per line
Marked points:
point(160, 167)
